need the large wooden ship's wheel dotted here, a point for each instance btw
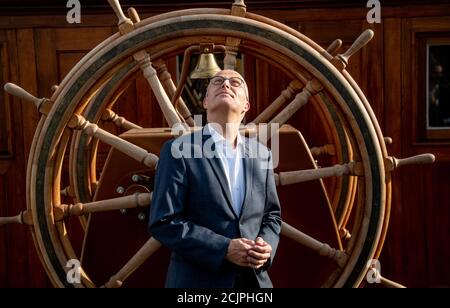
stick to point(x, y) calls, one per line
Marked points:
point(329, 241)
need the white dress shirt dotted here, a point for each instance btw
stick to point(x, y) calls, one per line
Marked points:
point(233, 166)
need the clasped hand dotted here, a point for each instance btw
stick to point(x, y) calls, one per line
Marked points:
point(245, 252)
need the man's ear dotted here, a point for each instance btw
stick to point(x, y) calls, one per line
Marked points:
point(247, 106)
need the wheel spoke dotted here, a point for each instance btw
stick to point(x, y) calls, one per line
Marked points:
point(312, 88)
point(299, 176)
point(391, 284)
point(387, 140)
point(327, 149)
point(132, 150)
point(338, 256)
point(373, 275)
point(170, 88)
point(42, 104)
point(134, 16)
point(137, 260)
point(285, 95)
point(143, 59)
point(393, 163)
point(334, 47)
point(344, 234)
point(124, 23)
point(341, 60)
point(68, 192)
point(238, 9)
point(169, 112)
point(127, 202)
point(291, 89)
point(109, 115)
point(23, 218)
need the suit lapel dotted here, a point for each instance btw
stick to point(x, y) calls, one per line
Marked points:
point(248, 167)
point(217, 167)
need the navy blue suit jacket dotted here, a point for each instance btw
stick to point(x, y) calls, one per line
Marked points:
point(192, 214)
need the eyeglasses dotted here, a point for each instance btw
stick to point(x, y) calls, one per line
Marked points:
point(234, 81)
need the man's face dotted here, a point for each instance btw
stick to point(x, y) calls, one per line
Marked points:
point(227, 96)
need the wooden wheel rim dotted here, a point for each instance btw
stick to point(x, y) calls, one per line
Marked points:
point(43, 165)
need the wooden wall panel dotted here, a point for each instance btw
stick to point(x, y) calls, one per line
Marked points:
point(5, 108)
point(4, 277)
point(414, 212)
point(372, 71)
point(438, 225)
point(66, 61)
point(6, 134)
point(27, 76)
point(15, 253)
point(46, 61)
point(425, 194)
point(26, 64)
point(392, 259)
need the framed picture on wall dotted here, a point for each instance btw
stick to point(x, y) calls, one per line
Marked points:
point(437, 88)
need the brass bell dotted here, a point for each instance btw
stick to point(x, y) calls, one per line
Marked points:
point(206, 67)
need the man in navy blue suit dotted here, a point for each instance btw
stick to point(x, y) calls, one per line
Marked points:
point(215, 203)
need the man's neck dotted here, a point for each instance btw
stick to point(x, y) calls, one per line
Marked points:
point(228, 128)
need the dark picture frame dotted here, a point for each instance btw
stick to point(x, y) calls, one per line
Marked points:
point(434, 87)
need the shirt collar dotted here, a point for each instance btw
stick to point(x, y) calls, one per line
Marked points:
point(218, 138)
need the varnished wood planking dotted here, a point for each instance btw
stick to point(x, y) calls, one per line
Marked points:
point(325, 32)
point(392, 259)
point(72, 44)
point(143, 91)
point(46, 61)
point(372, 69)
point(438, 225)
point(17, 238)
point(6, 150)
point(428, 222)
point(291, 12)
point(414, 242)
point(27, 78)
point(5, 165)
point(250, 77)
point(4, 277)
point(66, 61)
point(262, 84)
point(80, 38)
